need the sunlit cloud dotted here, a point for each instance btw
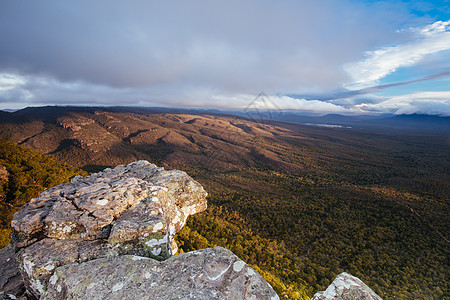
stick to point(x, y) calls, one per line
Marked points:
point(281, 103)
point(433, 103)
point(10, 81)
point(379, 63)
point(32, 89)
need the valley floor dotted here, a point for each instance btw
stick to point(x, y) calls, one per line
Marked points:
point(301, 204)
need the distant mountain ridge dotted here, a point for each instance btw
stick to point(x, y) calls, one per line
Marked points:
point(414, 123)
point(402, 123)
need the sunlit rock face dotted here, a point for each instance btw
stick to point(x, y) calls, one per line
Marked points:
point(134, 209)
point(347, 287)
point(213, 273)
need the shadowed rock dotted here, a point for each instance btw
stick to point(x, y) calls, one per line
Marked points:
point(134, 209)
point(347, 287)
point(11, 283)
point(213, 273)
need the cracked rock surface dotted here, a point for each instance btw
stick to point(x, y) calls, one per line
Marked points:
point(347, 287)
point(134, 209)
point(212, 273)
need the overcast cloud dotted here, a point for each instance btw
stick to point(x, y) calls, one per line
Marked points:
point(205, 53)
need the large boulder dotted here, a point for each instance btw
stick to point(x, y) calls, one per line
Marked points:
point(347, 287)
point(134, 209)
point(213, 273)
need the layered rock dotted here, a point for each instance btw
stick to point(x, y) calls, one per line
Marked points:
point(213, 273)
point(347, 287)
point(134, 209)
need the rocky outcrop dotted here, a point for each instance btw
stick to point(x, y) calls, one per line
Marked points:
point(347, 287)
point(110, 236)
point(213, 273)
point(11, 283)
point(134, 209)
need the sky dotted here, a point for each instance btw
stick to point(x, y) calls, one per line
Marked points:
point(324, 56)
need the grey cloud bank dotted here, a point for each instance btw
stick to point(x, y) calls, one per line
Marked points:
point(197, 53)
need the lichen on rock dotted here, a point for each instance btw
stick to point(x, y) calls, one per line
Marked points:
point(213, 273)
point(134, 209)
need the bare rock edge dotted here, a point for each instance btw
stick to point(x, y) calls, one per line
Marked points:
point(110, 235)
point(346, 287)
point(212, 273)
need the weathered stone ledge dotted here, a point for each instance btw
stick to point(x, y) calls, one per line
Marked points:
point(212, 273)
point(135, 209)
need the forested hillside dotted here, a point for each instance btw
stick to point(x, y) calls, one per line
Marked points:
point(24, 174)
point(300, 204)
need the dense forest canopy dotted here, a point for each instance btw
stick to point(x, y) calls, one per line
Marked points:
point(24, 174)
point(299, 203)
